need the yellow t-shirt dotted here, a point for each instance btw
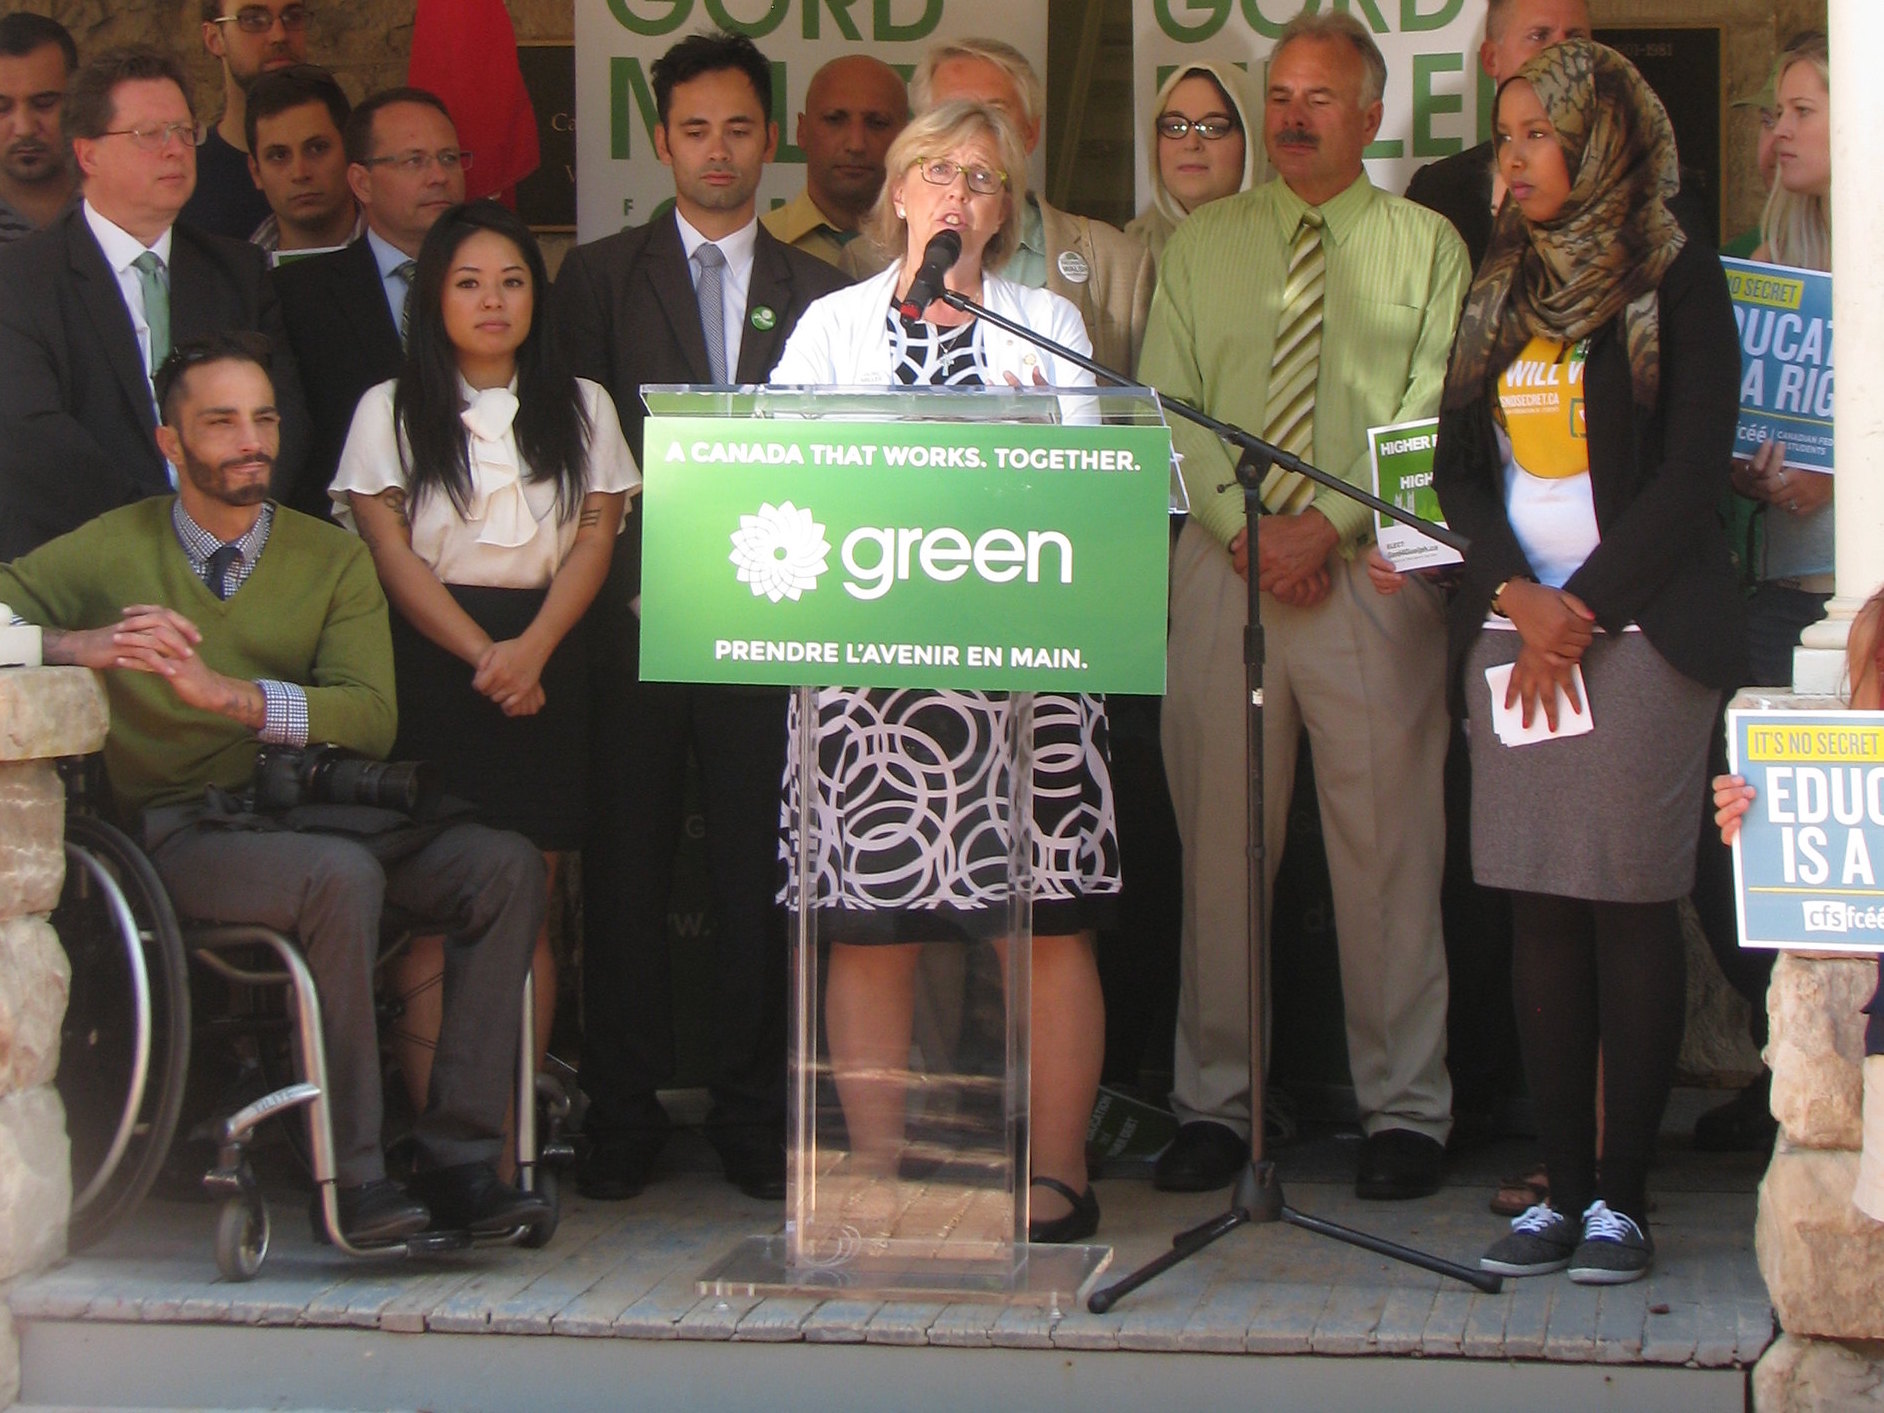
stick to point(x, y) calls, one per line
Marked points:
point(1547, 458)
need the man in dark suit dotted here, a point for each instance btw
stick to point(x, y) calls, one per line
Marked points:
point(343, 309)
point(629, 308)
point(93, 303)
point(1465, 188)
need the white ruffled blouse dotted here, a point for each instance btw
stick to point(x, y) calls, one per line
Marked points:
point(508, 537)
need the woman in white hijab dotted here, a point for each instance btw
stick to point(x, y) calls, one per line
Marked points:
point(1206, 142)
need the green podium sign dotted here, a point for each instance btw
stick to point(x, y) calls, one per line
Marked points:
point(835, 545)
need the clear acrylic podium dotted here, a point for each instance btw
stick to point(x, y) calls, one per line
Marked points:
point(907, 1165)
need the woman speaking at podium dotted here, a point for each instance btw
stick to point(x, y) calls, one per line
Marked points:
point(1584, 440)
point(909, 836)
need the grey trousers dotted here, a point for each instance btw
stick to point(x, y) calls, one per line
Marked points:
point(486, 886)
point(1365, 674)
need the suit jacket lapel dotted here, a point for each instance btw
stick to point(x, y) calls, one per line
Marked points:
point(110, 317)
point(770, 288)
point(360, 295)
point(665, 269)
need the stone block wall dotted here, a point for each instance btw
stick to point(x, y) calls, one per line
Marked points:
point(44, 713)
point(1822, 1258)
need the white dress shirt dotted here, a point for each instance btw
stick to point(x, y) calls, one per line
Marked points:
point(736, 279)
point(121, 252)
point(389, 257)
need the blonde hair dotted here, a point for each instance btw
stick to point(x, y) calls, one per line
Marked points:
point(1796, 229)
point(932, 133)
point(1004, 56)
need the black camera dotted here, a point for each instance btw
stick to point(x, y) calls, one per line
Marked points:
point(286, 776)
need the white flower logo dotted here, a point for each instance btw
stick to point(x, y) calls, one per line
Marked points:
point(780, 551)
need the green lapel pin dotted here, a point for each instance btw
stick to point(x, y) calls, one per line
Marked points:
point(763, 318)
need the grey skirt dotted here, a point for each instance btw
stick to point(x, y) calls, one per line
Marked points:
point(1611, 816)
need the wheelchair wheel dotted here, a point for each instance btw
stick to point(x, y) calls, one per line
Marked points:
point(126, 1036)
point(548, 1186)
point(241, 1237)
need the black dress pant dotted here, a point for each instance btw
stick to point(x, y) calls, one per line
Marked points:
point(642, 735)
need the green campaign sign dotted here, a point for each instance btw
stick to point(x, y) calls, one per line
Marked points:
point(905, 554)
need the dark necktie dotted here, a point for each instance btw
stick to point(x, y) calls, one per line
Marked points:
point(406, 270)
point(221, 560)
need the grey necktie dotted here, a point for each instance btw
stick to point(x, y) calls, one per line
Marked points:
point(154, 280)
point(405, 270)
point(712, 293)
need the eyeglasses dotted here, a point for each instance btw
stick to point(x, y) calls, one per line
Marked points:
point(414, 163)
point(1177, 127)
point(259, 19)
point(939, 171)
point(155, 137)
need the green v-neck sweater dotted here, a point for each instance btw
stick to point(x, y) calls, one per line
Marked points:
point(310, 613)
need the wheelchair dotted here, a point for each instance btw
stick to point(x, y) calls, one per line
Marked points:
point(126, 1048)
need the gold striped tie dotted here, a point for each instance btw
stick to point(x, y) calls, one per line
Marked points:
point(1293, 368)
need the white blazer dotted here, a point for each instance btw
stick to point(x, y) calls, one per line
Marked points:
point(843, 339)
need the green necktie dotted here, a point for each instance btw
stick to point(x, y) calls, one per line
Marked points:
point(154, 280)
point(1293, 368)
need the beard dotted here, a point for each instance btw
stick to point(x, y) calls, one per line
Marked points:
point(216, 481)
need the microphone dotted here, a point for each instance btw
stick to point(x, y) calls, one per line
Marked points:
point(942, 251)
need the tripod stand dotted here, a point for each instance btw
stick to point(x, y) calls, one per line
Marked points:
point(1257, 1198)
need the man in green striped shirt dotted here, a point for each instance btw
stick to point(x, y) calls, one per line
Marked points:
point(1308, 310)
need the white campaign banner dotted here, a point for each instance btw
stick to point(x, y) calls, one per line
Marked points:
point(620, 182)
point(1438, 99)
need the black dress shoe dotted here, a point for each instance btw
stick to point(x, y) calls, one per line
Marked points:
point(373, 1211)
point(1398, 1163)
point(1075, 1225)
point(471, 1197)
point(756, 1166)
point(616, 1168)
point(1203, 1157)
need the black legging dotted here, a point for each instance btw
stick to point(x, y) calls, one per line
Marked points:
point(1589, 976)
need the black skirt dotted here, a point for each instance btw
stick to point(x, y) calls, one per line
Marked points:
point(525, 773)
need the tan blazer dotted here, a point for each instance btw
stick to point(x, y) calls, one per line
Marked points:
point(1113, 298)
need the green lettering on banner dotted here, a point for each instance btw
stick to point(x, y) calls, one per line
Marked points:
point(1426, 103)
point(1412, 21)
point(625, 78)
point(840, 16)
point(1384, 147)
point(888, 30)
point(1216, 12)
point(789, 153)
point(1370, 13)
point(676, 16)
point(775, 12)
point(1266, 27)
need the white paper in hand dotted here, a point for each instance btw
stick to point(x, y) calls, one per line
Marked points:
point(1508, 721)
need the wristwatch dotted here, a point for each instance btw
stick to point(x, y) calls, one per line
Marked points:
point(1498, 596)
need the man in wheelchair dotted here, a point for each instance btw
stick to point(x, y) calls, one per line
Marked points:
point(221, 622)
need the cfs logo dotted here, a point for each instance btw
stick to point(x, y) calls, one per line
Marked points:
point(1826, 915)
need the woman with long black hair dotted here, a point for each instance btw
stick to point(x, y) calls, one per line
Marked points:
point(489, 483)
point(1585, 437)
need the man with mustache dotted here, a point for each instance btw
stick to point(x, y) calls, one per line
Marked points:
point(90, 306)
point(1308, 310)
point(219, 623)
point(701, 294)
point(37, 56)
point(854, 108)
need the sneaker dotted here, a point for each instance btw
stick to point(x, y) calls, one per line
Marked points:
point(1541, 1241)
point(1614, 1250)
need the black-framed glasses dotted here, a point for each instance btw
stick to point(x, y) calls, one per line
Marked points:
point(259, 19)
point(414, 163)
point(940, 171)
point(155, 137)
point(1177, 127)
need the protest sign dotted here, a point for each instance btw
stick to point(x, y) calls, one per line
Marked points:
point(1785, 320)
point(1403, 475)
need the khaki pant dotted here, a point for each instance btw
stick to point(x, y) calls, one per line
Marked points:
point(1365, 673)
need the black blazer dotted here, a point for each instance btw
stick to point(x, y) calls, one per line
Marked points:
point(624, 309)
point(76, 418)
point(345, 341)
point(1657, 479)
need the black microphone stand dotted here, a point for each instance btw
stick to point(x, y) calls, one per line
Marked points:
point(1257, 1199)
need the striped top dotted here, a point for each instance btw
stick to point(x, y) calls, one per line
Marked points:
point(1396, 278)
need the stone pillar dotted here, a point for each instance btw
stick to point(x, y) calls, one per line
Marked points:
point(1857, 37)
point(44, 713)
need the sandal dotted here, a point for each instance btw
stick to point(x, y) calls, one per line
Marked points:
point(1520, 1192)
point(1075, 1225)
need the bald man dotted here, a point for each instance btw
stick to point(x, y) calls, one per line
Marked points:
point(854, 107)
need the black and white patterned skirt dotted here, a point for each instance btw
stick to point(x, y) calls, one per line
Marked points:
point(910, 835)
